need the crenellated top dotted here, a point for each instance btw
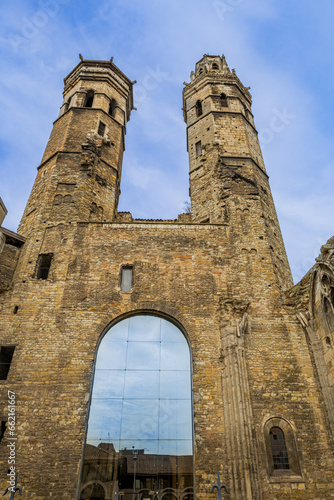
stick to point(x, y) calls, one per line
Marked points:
point(99, 74)
point(216, 67)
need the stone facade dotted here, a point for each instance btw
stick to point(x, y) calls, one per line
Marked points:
point(262, 350)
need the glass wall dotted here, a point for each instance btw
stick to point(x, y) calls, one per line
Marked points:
point(139, 440)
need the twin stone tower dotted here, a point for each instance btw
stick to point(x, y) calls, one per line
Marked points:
point(147, 356)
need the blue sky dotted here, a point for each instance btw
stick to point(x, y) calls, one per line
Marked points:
point(281, 49)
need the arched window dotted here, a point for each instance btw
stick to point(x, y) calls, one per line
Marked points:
point(281, 450)
point(140, 420)
point(278, 448)
point(215, 66)
point(89, 99)
point(112, 107)
point(223, 100)
point(199, 110)
point(200, 71)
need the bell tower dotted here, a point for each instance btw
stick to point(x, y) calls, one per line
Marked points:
point(79, 176)
point(228, 180)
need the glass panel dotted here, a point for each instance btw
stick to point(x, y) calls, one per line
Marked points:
point(139, 438)
point(175, 384)
point(143, 356)
point(144, 328)
point(140, 419)
point(170, 333)
point(105, 420)
point(112, 355)
point(108, 384)
point(175, 419)
point(139, 382)
point(118, 332)
point(175, 357)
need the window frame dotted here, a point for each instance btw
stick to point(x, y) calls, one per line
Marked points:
point(198, 148)
point(294, 473)
point(127, 267)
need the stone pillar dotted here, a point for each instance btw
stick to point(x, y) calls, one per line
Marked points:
point(240, 447)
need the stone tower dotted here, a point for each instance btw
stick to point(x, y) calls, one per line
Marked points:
point(79, 175)
point(146, 356)
point(228, 180)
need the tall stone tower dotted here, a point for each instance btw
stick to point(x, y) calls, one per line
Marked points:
point(79, 176)
point(145, 356)
point(228, 179)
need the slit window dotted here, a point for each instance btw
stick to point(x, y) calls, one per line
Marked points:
point(2, 429)
point(198, 146)
point(101, 129)
point(6, 355)
point(199, 110)
point(89, 99)
point(278, 448)
point(112, 107)
point(126, 278)
point(223, 100)
point(43, 266)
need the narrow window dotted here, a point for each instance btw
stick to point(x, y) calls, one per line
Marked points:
point(43, 266)
point(126, 279)
point(199, 110)
point(223, 100)
point(2, 429)
point(89, 99)
point(67, 104)
point(200, 71)
point(112, 107)
point(278, 448)
point(198, 146)
point(101, 129)
point(6, 355)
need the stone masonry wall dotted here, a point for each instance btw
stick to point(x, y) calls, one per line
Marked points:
point(185, 271)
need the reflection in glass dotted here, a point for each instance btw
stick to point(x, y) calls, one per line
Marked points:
point(139, 438)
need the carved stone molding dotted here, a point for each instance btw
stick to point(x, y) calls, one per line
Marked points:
point(240, 446)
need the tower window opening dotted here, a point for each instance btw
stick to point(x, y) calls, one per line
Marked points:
point(6, 355)
point(199, 110)
point(101, 129)
point(198, 146)
point(43, 266)
point(278, 448)
point(67, 104)
point(2, 429)
point(223, 100)
point(200, 71)
point(215, 66)
point(126, 278)
point(112, 107)
point(89, 99)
